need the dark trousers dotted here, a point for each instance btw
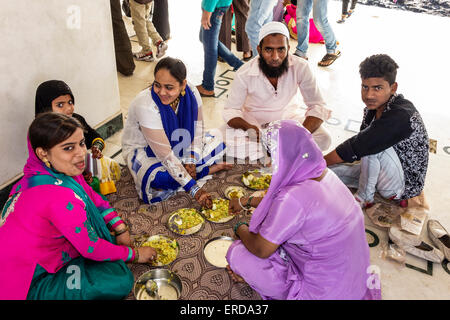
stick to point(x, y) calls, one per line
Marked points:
point(122, 45)
point(241, 8)
point(345, 6)
point(161, 18)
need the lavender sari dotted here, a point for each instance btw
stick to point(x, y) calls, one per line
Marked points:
point(323, 251)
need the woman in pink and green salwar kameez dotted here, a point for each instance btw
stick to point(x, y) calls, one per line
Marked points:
point(306, 238)
point(55, 233)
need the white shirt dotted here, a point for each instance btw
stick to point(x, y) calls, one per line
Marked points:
point(144, 112)
point(253, 95)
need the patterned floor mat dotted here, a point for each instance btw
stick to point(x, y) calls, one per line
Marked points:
point(200, 280)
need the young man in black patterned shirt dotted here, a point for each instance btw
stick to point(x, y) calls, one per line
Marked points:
point(392, 143)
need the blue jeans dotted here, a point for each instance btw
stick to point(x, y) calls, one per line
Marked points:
point(319, 8)
point(260, 13)
point(214, 48)
point(380, 172)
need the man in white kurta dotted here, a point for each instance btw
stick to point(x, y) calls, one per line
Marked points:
point(259, 96)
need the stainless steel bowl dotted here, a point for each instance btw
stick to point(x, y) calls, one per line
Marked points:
point(162, 277)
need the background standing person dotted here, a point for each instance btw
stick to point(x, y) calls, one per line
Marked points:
point(161, 18)
point(213, 12)
point(144, 28)
point(261, 12)
point(240, 8)
point(319, 9)
point(345, 12)
point(122, 46)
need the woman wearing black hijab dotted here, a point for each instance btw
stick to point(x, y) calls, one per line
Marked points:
point(56, 96)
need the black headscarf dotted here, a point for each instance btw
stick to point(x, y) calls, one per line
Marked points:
point(49, 91)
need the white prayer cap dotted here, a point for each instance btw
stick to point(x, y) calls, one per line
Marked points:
point(271, 28)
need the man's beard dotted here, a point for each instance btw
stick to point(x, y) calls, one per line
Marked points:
point(273, 72)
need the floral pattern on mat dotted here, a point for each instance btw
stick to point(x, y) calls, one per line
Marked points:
point(201, 281)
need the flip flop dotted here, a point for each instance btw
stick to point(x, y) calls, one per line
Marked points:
point(199, 88)
point(207, 95)
point(329, 57)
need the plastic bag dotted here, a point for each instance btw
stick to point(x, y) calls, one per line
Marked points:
point(107, 184)
point(384, 215)
point(391, 251)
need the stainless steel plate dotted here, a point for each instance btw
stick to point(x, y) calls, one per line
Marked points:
point(173, 224)
point(217, 261)
point(230, 189)
point(168, 282)
point(256, 173)
point(223, 220)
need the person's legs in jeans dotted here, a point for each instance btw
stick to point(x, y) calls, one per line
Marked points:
point(210, 40)
point(320, 11)
point(381, 172)
point(213, 48)
point(303, 10)
point(229, 56)
point(261, 12)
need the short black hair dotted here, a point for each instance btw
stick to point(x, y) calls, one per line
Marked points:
point(176, 68)
point(50, 128)
point(379, 66)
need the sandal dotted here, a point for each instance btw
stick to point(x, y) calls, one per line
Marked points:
point(342, 20)
point(328, 59)
point(247, 58)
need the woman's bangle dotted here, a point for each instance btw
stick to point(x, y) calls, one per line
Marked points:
point(249, 202)
point(136, 255)
point(194, 190)
point(244, 208)
point(99, 142)
point(117, 233)
point(236, 227)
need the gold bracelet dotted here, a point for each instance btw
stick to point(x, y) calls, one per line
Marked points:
point(117, 233)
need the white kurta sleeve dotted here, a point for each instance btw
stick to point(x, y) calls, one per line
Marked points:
point(236, 100)
point(316, 106)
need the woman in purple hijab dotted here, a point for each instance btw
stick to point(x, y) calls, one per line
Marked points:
point(306, 238)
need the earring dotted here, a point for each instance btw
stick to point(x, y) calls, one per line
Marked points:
point(47, 163)
point(183, 92)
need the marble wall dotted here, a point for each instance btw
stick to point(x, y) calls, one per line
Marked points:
point(69, 40)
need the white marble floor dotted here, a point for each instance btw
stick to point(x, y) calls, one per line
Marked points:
point(417, 43)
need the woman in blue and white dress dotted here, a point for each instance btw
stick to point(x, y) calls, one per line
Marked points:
point(164, 144)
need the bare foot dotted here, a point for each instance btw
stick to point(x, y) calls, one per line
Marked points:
point(219, 167)
point(234, 276)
